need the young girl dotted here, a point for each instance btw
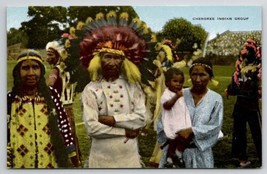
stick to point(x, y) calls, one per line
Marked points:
point(175, 115)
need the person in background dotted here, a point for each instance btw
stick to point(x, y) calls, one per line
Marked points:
point(175, 115)
point(59, 79)
point(206, 112)
point(246, 86)
point(39, 134)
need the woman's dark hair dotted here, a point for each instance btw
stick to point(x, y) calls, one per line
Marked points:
point(43, 89)
point(170, 72)
point(206, 63)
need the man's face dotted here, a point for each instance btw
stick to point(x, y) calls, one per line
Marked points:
point(30, 72)
point(111, 65)
point(52, 56)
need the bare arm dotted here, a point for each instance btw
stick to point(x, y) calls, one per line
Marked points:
point(53, 75)
point(169, 104)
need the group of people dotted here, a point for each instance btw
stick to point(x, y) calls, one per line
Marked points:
point(41, 120)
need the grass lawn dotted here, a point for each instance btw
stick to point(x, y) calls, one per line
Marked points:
point(222, 149)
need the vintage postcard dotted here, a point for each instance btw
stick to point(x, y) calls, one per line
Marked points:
point(101, 87)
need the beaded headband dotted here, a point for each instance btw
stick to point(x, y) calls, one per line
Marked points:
point(201, 64)
point(30, 58)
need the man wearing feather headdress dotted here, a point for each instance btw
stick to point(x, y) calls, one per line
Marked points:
point(115, 53)
point(59, 79)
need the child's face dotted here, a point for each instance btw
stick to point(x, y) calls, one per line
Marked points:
point(176, 83)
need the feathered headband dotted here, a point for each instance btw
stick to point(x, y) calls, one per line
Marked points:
point(119, 34)
point(59, 47)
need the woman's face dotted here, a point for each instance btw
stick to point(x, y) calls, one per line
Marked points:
point(200, 77)
point(30, 72)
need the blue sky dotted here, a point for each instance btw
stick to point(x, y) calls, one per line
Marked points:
point(157, 16)
point(16, 15)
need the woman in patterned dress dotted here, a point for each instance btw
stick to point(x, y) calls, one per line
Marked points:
point(38, 129)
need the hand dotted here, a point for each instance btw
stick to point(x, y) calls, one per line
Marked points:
point(185, 133)
point(75, 161)
point(107, 120)
point(179, 93)
point(131, 134)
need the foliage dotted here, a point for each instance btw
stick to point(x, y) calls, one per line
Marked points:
point(180, 28)
point(45, 24)
point(15, 36)
point(48, 23)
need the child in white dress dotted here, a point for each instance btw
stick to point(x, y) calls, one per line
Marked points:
point(175, 115)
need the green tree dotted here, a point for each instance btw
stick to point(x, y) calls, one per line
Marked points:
point(46, 24)
point(15, 36)
point(49, 23)
point(180, 28)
